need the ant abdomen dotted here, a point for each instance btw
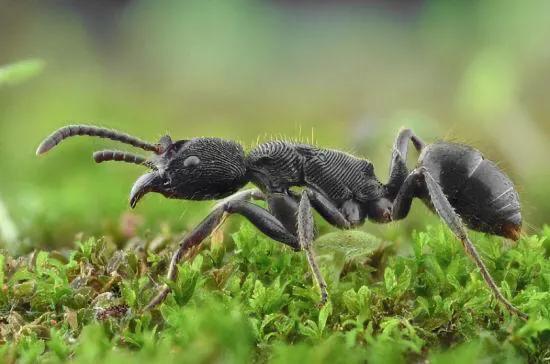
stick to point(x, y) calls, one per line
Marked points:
point(478, 190)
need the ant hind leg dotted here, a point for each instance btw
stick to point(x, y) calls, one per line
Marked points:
point(453, 221)
point(403, 200)
point(398, 164)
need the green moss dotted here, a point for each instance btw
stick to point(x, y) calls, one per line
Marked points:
point(251, 299)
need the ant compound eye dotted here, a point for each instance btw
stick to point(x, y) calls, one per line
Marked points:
point(191, 161)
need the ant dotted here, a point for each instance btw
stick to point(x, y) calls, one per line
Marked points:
point(453, 180)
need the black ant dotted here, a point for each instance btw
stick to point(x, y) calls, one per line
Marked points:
point(453, 180)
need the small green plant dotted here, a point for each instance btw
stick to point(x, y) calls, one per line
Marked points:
point(252, 300)
point(16, 73)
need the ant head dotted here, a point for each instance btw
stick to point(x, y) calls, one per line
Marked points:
point(196, 169)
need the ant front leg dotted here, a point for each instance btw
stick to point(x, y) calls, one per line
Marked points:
point(453, 221)
point(245, 195)
point(259, 217)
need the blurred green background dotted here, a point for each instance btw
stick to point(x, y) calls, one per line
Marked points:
point(346, 73)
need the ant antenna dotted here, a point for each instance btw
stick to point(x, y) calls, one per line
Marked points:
point(117, 155)
point(71, 130)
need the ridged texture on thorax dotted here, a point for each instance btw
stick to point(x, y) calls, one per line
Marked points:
point(338, 175)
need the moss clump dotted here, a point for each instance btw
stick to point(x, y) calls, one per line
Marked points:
point(250, 299)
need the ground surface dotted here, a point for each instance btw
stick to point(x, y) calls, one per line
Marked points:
point(249, 299)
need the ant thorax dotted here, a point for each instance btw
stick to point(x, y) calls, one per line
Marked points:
point(279, 165)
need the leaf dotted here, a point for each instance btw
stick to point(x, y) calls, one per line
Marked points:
point(268, 299)
point(24, 290)
point(358, 303)
point(403, 282)
point(310, 329)
point(353, 244)
point(41, 262)
point(16, 73)
point(129, 295)
point(390, 280)
point(186, 282)
point(339, 248)
point(324, 314)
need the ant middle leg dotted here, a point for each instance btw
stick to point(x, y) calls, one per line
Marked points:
point(295, 212)
point(306, 231)
point(326, 208)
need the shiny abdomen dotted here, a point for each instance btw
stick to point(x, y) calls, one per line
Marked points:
point(478, 190)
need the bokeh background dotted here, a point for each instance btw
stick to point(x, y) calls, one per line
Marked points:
point(345, 74)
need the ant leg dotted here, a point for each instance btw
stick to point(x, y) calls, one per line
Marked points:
point(261, 218)
point(195, 237)
point(403, 200)
point(284, 207)
point(245, 195)
point(398, 164)
point(447, 213)
point(402, 140)
point(297, 216)
point(305, 238)
point(328, 210)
